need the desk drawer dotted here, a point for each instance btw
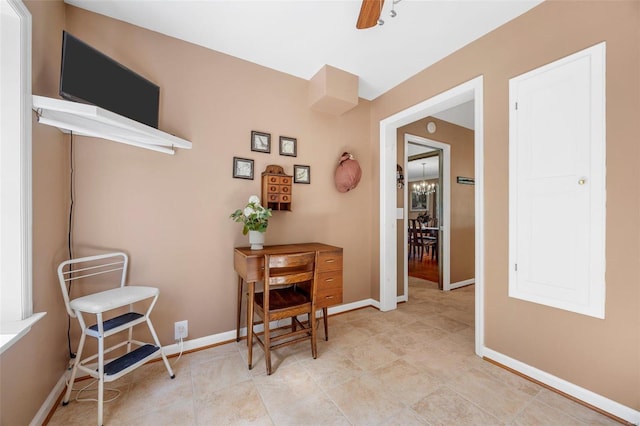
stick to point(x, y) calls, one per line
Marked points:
point(329, 291)
point(330, 260)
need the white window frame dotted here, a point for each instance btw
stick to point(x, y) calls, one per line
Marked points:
point(16, 300)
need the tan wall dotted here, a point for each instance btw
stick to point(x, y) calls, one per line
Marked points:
point(599, 355)
point(31, 367)
point(171, 213)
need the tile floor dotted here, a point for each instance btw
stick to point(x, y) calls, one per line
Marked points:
point(415, 365)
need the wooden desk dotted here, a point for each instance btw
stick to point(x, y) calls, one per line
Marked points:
point(249, 265)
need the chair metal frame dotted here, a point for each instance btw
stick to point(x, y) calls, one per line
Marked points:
point(99, 303)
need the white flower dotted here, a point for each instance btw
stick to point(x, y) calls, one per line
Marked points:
point(254, 199)
point(248, 211)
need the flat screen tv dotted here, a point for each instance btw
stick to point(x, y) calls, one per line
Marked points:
point(89, 76)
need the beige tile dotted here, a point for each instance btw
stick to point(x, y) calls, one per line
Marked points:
point(236, 405)
point(406, 417)
point(510, 379)
point(441, 365)
point(215, 352)
point(219, 373)
point(363, 402)
point(307, 409)
point(331, 369)
point(456, 343)
point(538, 414)
point(369, 356)
point(443, 323)
point(573, 409)
point(404, 383)
point(415, 365)
point(425, 332)
point(180, 413)
point(290, 382)
point(446, 407)
point(464, 316)
point(372, 326)
point(490, 394)
point(152, 388)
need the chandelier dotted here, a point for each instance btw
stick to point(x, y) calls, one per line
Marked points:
point(423, 187)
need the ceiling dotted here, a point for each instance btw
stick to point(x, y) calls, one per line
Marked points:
point(299, 37)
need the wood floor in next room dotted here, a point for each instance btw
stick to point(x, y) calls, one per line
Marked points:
point(425, 267)
point(412, 366)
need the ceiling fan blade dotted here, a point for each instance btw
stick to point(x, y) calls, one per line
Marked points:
point(369, 13)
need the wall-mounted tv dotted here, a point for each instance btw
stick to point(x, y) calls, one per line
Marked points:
point(89, 76)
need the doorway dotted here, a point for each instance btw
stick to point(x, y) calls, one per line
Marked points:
point(438, 209)
point(423, 195)
point(390, 215)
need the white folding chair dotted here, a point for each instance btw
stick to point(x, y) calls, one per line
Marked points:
point(108, 268)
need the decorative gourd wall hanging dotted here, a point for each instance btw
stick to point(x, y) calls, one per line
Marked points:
point(348, 173)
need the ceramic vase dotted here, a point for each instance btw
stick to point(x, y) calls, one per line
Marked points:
point(256, 239)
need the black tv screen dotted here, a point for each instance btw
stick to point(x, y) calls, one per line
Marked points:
point(89, 76)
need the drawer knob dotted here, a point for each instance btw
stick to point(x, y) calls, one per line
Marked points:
point(329, 280)
point(330, 260)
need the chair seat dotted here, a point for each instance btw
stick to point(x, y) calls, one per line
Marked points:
point(283, 298)
point(111, 299)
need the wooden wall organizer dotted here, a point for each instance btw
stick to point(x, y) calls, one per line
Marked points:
point(276, 188)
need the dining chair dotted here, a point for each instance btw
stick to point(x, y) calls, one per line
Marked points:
point(422, 242)
point(414, 237)
point(289, 291)
point(113, 307)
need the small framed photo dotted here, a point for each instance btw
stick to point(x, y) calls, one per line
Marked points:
point(260, 142)
point(288, 146)
point(301, 174)
point(242, 168)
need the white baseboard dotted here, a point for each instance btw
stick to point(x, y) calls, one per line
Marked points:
point(227, 336)
point(462, 283)
point(49, 403)
point(592, 398)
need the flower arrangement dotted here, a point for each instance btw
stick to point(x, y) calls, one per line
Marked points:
point(253, 216)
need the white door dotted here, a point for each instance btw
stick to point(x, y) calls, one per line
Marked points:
point(557, 184)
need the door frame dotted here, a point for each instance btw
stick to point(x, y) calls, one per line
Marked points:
point(388, 267)
point(444, 247)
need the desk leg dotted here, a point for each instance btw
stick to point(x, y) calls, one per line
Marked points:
point(240, 281)
point(326, 327)
point(250, 322)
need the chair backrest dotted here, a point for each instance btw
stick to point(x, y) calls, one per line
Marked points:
point(289, 269)
point(91, 266)
point(416, 231)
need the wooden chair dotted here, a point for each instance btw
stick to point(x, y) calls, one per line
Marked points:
point(417, 239)
point(414, 237)
point(289, 291)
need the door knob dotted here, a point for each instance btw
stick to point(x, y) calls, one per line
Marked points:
point(582, 181)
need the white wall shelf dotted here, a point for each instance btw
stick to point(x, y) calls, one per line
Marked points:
point(90, 120)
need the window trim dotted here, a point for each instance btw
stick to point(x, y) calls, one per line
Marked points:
point(12, 331)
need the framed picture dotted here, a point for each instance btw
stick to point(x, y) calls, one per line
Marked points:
point(242, 168)
point(418, 202)
point(301, 174)
point(288, 146)
point(260, 142)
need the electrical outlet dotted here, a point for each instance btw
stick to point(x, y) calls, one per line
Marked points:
point(181, 329)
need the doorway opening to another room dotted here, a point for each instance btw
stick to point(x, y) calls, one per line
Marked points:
point(391, 216)
point(426, 206)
